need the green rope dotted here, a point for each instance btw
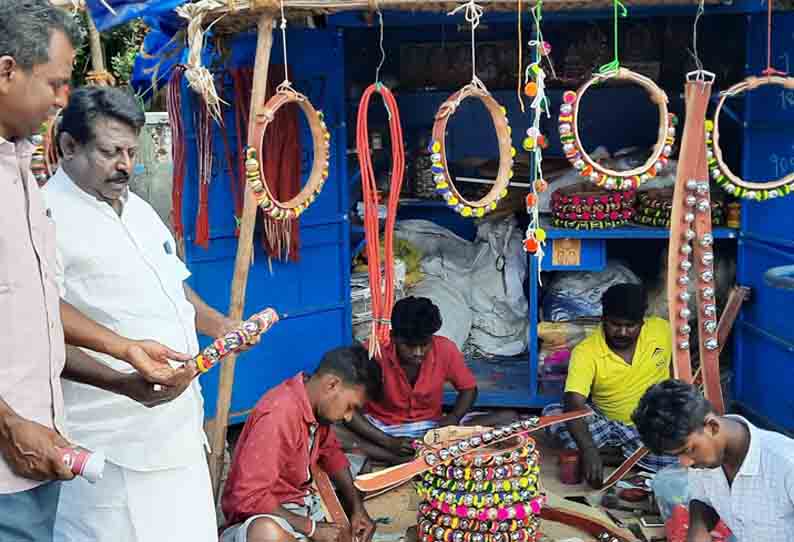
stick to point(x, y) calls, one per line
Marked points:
point(620, 11)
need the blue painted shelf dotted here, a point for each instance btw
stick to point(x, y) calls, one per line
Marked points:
point(627, 232)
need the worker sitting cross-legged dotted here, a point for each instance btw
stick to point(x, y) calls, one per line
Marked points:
point(268, 495)
point(416, 365)
point(609, 372)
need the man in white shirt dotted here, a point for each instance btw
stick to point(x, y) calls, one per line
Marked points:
point(119, 266)
point(737, 472)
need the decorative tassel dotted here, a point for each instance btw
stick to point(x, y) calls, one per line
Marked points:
point(174, 106)
point(204, 149)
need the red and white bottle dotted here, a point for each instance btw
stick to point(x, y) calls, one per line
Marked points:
point(89, 465)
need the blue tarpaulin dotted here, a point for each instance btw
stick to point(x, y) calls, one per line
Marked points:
point(162, 49)
point(127, 10)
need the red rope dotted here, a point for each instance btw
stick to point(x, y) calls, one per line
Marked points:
point(381, 283)
point(232, 168)
point(204, 149)
point(174, 106)
point(770, 71)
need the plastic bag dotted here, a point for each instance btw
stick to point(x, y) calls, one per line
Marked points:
point(671, 489)
point(576, 294)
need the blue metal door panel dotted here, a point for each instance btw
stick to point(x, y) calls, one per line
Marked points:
point(769, 132)
point(766, 377)
point(312, 296)
point(769, 307)
point(764, 337)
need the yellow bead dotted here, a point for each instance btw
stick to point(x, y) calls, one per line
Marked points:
point(452, 201)
point(436, 147)
point(480, 212)
point(513, 152)
point(492, 205)
point(503, 110)
point(503, 193)
point(540, 235)
point(709, 126)
point(442, 185)
point(510, 174)
point(466, 211)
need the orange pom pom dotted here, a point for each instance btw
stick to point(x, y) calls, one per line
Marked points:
point(530, 245)
point(532, 200)
point(531, 89)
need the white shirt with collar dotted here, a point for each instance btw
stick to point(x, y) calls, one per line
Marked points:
point(123, 272)
point(759, 505)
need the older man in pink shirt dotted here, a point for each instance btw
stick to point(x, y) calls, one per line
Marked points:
point(37, 48)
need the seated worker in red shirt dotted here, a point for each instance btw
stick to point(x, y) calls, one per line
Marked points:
point(268, 495)
point(416, 365)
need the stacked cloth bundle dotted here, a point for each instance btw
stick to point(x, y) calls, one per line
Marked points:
point(491, 495)
point(654, 206)
point(585, 207)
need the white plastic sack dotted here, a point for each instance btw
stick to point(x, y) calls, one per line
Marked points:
point(455, 313)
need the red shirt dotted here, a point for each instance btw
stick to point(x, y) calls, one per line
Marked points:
point(402, 403)
point(272, 457)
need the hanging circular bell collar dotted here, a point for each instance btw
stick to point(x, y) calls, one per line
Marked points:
point(600, 175)
point(255, 173)
point(719, 170)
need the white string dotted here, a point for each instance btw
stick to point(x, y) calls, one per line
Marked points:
point(284, 44)
point(698, 62)
point(473, 13)
point(539, 106)
point(382, 50)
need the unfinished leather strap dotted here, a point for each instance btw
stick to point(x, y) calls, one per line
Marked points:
point(426, 461)
point(582, 517)
point(334, 513)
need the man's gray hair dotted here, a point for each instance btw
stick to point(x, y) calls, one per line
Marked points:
point(26, 27)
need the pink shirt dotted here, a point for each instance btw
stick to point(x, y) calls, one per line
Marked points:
point(31, 340)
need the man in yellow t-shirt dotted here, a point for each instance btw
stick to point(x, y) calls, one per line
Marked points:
point(609, 372)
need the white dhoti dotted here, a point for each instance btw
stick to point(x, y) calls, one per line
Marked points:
point(172, 505)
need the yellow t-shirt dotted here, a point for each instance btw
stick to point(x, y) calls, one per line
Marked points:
point(614, 386)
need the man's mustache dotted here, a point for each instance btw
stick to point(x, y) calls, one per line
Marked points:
point(119, 179)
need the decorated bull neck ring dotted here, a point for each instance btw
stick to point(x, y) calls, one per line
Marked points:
point(254, 167)
point(600, 175)
point(444, 185)
point(719, 170)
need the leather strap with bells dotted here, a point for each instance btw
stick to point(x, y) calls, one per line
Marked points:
point(426, 461)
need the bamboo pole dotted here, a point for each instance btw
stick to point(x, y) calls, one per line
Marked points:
point(243, 260)
point(99, 74)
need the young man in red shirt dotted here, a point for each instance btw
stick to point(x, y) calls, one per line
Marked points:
point(416, 366)
point(268, 495)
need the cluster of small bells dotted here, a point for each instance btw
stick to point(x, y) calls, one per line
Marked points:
point(482, 497)
point(574, 154)
point(725, 183)
point(261, 193)
point(697, 200)
point(246, 333)
point(444, 184)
